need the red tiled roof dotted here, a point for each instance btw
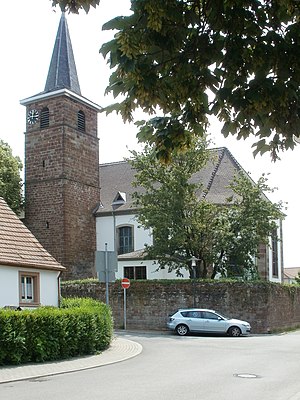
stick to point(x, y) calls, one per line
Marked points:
point(18, 246)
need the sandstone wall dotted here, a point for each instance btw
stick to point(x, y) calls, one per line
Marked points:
point(268, 307)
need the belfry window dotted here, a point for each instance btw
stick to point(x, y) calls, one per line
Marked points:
point(81, 121)
point(44, 118)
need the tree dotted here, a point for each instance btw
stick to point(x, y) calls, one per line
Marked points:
point(186, 226)
point(297, 279)
point(236, 59)
point(75, 5)
point(10, 180)
point(251, 219)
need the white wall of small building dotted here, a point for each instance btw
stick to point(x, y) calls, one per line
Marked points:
point(49, 295)
point(9, 286)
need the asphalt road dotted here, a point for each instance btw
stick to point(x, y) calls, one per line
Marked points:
point(190, 368)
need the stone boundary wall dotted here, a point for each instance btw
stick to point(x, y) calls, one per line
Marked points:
point(268, 307)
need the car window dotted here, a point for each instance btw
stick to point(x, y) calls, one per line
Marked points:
point(209, 315)
point(193, 314)
point(184, 313)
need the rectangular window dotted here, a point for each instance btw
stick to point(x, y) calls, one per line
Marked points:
point(135, 272)
point(275, 255)
point(29, 283)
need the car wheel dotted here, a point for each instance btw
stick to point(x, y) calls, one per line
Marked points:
point(234, 331)
point(182, 330)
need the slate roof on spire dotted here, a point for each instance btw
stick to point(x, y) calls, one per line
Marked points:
point(62, 72)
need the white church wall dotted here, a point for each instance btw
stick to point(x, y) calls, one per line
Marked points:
point(106, 227)
point(151, 268)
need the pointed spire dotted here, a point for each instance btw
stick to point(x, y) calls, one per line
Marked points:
point(62, 72)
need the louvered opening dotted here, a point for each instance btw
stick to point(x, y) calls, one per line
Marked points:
point(81, 121)
point(45, 117)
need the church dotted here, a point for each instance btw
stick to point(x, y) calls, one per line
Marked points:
point(74, 205)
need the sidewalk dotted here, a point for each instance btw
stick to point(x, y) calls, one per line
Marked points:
point(120, 349)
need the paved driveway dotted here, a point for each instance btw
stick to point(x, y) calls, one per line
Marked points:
point(189, 368)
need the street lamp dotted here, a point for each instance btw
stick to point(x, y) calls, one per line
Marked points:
point(193, 264)
point(194, 259)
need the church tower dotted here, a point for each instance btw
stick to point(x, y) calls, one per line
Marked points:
point(62, 164)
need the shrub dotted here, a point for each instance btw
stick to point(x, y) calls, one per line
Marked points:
point(79, 327)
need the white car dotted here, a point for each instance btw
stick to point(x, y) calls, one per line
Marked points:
point(206, 321)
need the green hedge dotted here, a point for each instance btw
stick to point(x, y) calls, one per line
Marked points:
point(78, 327)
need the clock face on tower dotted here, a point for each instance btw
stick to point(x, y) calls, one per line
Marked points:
point(32, 117)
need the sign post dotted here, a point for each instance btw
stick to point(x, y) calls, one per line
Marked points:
point(125, 285)
point(106, 265)
point(106, 277)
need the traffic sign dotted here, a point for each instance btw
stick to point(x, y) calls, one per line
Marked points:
point(125, 283)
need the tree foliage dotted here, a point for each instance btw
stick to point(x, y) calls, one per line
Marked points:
point(185, 225)
point(297, 278)
point(74, 6)
point(10, 180)
point(235, 59)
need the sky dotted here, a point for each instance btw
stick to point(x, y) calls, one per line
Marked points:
point(28, 30)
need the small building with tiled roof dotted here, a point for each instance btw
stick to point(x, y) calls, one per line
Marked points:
point(29, 275)
point(119, 230)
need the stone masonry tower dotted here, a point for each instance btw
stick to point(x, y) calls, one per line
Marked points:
point(62, 164)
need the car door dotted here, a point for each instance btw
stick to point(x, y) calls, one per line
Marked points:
point(194, 320)
point(212, 322)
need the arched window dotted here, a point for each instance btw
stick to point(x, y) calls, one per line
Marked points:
point(44, 118)
point(125, 239)
point(81, 121)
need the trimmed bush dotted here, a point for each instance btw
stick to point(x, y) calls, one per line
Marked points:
point(78, 327)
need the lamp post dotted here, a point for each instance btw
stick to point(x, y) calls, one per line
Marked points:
point(193, 260)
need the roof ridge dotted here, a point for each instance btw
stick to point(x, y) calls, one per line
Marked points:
point(237, 164)
point(113, 163)
point(221, 150)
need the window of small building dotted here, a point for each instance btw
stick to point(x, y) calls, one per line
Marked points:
point(138, 272)
point(125, 239)
point(29, 288)
point(81, 121)
point(44, 122)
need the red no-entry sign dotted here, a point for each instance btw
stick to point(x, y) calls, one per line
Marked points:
point(125, 283)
